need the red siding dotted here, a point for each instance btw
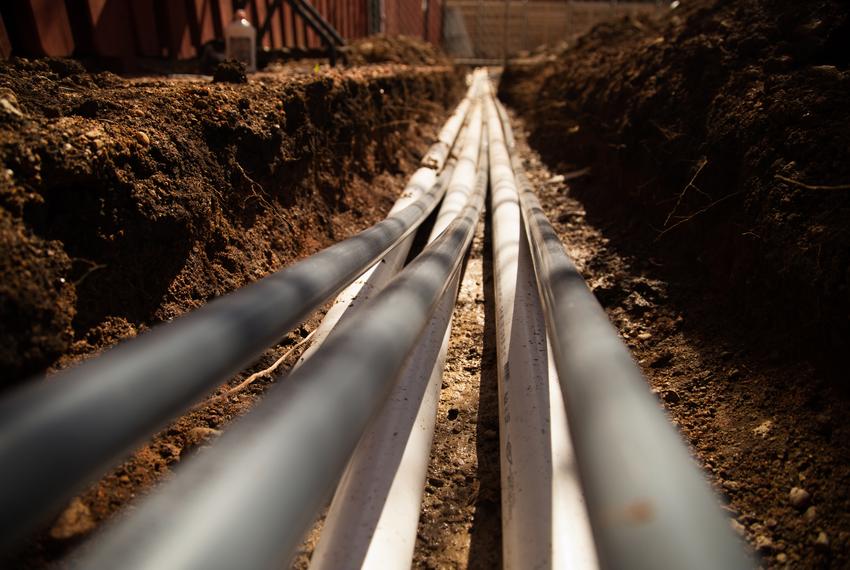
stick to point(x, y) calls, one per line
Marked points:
point(126, 29)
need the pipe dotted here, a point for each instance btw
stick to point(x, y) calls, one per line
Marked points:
point(377, 276)
point(374, 279)
point(534, 441)
point(57, 435)
point(247, 502)
point(649, 504)
point(439, 152)
point(372, 520)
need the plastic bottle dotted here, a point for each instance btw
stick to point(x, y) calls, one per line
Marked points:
point(240, 40)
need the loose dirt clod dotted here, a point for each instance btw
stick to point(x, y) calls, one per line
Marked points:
point(230, 71)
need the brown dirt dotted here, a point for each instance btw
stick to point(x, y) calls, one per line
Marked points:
point(460, 524)
point(127, 203)
point(720, 134)
point(396, 49)
point(760, 423)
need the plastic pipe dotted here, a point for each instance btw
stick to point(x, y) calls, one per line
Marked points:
point(534, 440)
point(247, 502)
point(374, 279)
point(372, 520)
point(649, 504)
point(56, 436)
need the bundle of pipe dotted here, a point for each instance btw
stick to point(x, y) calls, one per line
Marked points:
point(373, 517)
point(273, 470)
point(544, 522)
point(57, 436)
point(649, 505)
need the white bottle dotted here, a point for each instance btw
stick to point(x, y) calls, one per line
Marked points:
point(240, 41)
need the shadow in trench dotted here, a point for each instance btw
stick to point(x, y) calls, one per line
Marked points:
point(485, 550)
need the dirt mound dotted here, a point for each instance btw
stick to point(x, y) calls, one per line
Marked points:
point(720, 134)
point(123, 204)
point(398, 49)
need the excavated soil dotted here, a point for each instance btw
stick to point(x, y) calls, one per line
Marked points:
point(125, 203)
point(460, 524)
point(719, 134)
point(769, 430)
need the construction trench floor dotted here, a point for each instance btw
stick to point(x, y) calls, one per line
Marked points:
point(127, 203)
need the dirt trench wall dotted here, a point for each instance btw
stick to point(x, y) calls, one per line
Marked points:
point(719, 135)
point(126, 203)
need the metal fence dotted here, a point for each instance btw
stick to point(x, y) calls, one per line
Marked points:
point(492, 29)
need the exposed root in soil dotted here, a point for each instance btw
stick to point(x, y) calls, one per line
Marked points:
point(265, 372)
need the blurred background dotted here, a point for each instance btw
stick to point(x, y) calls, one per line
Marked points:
point(121, 34)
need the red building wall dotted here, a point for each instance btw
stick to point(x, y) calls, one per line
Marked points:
point(125, 29)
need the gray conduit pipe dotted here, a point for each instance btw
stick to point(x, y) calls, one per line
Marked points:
point(56, 435)
point(649, 504)
point(374, 279)
point(372, 520)
point(247, 502)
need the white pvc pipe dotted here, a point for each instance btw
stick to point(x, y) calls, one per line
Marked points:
point(373, 517)
point(438, 153)
point(544, 523)
point(374, 279)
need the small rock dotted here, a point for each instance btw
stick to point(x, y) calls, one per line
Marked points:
point(143, 138)
point(811, 514)
point(199, 435)
point(827, 72)
point(671, 396)
point(799, 498)
point(763, 428)
point(738, 527)
point(124, 479)
point(771, 523)
point(662, 360)
point(645, 336)
point(734, 374)
point(764, 544)
point(782, 558)
point(822, 541)
point(436, 482)
point(75, 520)
point(9, 107)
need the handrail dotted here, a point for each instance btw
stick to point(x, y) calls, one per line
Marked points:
point(649, 505)
point(247, 501)
point(59, 434)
